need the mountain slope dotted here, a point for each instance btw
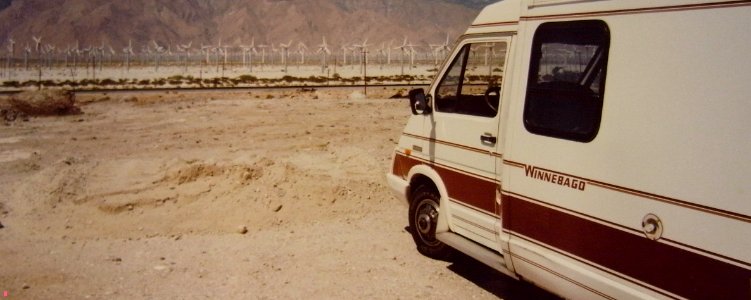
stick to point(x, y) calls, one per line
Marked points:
point(234, 22)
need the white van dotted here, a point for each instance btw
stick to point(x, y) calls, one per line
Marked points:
point(596, 148)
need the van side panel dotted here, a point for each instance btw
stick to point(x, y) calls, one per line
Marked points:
point(673, 142)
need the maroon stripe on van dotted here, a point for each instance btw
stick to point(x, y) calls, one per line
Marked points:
point(673, 269)
point(470, 190)
point(402, 165)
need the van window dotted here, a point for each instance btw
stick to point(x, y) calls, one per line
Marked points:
point(567, 79)
point(472, 82)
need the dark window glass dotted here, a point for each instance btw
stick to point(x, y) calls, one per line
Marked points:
point(567, 79)
point(472, 82)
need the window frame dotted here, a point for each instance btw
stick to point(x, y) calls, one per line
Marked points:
point(471, 40)
point(580, 32)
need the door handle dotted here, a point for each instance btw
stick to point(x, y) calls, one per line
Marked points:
point(488, 138)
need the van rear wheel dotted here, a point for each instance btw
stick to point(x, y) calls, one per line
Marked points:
point(423, 217)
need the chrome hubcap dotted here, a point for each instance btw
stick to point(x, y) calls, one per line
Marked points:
point(426, 218)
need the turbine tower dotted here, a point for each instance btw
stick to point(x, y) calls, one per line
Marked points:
point(404, 47)
point(363, 53)
point(323, 49)
point(285, 53)
point(128, 52)
point(301, 49)
point(9, 56)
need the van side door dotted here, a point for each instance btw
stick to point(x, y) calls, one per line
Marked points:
point(464, 134)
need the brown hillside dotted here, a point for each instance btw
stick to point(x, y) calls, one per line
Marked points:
point(233, 22)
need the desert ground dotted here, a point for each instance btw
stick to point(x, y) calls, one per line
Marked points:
point(263, 194)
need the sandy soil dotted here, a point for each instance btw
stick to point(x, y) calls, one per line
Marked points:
point(267, 194)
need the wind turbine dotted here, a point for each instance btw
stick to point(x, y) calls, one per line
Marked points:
point(273, 51)
point(381, 55)
point(323, 48)
point(363, 52)
point(206, 50)
point(438, 49)
point(412, 53)
point(224, 52)
point(158, 51)
point(10, 54)
point(263, 54)
point(26, 52)
point(405, 47)
point(185, 49)
point(49, 51)
point(388, 52)
point(301, 49)
point(75, 52)
point(128, 51)
point(285, 53)
point(100, 51)
point(244, 50)
point(37, 41)
point(112, 54)
point(217, 51)
point(345, 49)
point(251, 49)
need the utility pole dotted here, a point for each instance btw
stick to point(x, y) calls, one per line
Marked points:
point(365, 70)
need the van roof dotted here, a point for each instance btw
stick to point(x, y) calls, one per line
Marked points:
point(499, 16)
point(505, 15)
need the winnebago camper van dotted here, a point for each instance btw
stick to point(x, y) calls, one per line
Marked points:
point(595, 148)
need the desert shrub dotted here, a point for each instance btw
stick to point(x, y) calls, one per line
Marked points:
point(107, 81)
point(12, 83)
point(248, 78)
point(317, 79)
point(69, 83)
point(89, 82)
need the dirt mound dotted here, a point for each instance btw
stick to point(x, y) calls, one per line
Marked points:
point(45, 102)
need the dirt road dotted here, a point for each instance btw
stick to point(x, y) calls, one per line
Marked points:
point(277, 195)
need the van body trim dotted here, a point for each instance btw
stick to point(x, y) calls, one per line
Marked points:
point(559, 275)
point(481, 196)
point(659, 9)
point(475, 225)
point(580, 260)
point(418, 160)
point(479, 210)
point(432, 140)
point(496, 24)
point(674, 269)
point(730, 260)
point(682, 203)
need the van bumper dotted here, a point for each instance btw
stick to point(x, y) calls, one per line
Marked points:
point(398, 187)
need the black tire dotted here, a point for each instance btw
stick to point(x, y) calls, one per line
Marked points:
point(423, 215)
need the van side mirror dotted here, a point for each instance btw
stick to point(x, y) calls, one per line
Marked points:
point(419, 102)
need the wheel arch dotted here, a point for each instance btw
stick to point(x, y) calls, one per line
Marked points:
point(421, 175)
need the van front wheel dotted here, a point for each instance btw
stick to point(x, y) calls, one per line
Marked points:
point(423, 217)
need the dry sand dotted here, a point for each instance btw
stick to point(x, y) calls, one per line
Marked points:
point(263, 194)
